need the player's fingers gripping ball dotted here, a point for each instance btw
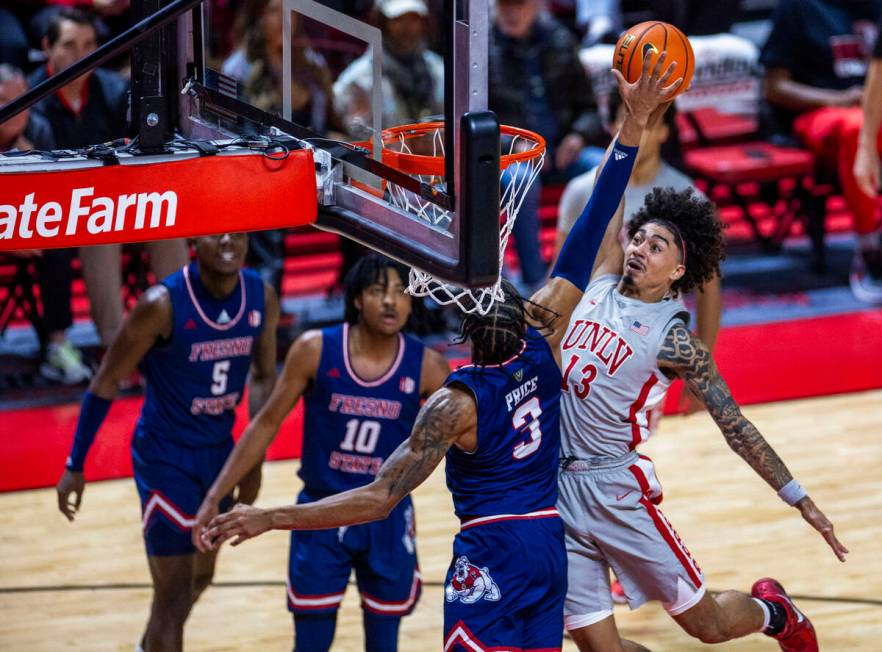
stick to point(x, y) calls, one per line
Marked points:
point(651, 38)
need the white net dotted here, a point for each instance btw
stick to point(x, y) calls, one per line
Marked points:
point(523, 154)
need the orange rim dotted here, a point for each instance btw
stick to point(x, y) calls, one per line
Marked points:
point(425, 165)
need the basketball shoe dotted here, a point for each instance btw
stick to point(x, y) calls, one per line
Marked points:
point(865, 278)
point(798, 634)
point(617, 592)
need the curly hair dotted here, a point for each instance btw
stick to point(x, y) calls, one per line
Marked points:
point(695, 220)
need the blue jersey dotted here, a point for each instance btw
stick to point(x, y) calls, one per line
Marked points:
point(351, 425)
point(514, 468)
point(196, 378)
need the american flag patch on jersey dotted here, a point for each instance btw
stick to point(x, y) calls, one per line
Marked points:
point(254, 318)
point(640, 329)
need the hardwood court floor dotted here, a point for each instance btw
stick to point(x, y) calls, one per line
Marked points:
point(93, 575)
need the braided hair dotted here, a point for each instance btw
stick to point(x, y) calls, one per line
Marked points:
point(498, 335)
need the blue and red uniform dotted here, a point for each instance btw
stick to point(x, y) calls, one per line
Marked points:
point(507, 582)
point(350, 427)
point(195, 380)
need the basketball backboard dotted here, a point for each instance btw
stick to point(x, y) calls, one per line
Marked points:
point(323, 50)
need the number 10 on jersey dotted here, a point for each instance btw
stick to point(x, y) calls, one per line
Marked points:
point(361, 436)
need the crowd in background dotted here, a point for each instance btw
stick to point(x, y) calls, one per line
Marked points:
point(815, 62)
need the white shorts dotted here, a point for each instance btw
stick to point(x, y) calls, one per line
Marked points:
point(612, 522)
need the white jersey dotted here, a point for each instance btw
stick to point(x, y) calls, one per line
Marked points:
point(611, 378)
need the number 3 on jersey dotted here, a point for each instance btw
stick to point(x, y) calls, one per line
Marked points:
point(361, 436)
point(528, 415)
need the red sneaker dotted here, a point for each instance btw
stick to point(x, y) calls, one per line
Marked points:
point(798, 634)
point(617, 592)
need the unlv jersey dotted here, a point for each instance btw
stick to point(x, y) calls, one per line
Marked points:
point(514, 468)
point(611, 378)
point(352, 425)
point(196, 378)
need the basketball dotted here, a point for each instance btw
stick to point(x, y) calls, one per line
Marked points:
point(654, 37)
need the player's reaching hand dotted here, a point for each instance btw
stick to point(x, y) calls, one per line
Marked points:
point(243, 522)
point(648, 97)
point(207, 511)
point(70, 493)
point(816, 518)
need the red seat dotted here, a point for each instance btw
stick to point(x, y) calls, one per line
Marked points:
point(708, 126)
point(756, 162)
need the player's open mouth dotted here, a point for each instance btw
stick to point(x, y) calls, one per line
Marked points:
point(635, 265)
point(228, 256)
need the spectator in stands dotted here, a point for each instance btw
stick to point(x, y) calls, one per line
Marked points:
point(413, 75)
point(257, 64)
point(650, 171)
point(91, 110)
point(536, 81)
point(62, 362)
point(13, 40)
point(867, 170)
point(816, 62)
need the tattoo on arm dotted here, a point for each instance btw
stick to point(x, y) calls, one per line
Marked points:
point(441, 421)
point(685, 355)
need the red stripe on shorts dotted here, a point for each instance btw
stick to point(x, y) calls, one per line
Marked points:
point(636, 406)
point(665, 528)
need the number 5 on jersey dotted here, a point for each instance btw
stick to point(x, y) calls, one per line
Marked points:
point(528, 415)
point(219, 377)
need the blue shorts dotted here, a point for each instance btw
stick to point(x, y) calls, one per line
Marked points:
point(506, 586)
point(172, 480)
point(382, 553)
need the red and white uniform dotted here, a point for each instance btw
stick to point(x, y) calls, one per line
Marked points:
point(608, 492)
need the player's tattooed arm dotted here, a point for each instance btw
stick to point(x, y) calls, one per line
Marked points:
point(448, 417)
point(686, 356)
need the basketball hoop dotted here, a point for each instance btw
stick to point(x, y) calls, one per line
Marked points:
point(418, 150)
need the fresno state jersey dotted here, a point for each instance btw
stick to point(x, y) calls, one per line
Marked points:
point(196, 378)
point(611, 378)
point(352, 425)
point(514, 468)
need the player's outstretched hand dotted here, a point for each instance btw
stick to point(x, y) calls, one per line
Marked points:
point(242, 522)
point(816, 518)
point(648, 97)
point(207, 511)
point(71, 482)
point(868, 170)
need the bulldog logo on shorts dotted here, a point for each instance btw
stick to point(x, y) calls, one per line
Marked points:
point(470, 583)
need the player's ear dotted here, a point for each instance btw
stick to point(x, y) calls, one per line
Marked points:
point(678, 272)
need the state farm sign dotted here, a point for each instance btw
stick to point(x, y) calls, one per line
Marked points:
point(131, 203)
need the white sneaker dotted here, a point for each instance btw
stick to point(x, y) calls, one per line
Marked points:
point(64, 364)
point(866, 275)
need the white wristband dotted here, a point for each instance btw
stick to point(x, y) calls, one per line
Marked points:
point(792, 492)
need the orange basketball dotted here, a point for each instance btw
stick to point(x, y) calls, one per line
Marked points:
point(653, 38)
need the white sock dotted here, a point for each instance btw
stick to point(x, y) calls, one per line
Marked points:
point(766, 614)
